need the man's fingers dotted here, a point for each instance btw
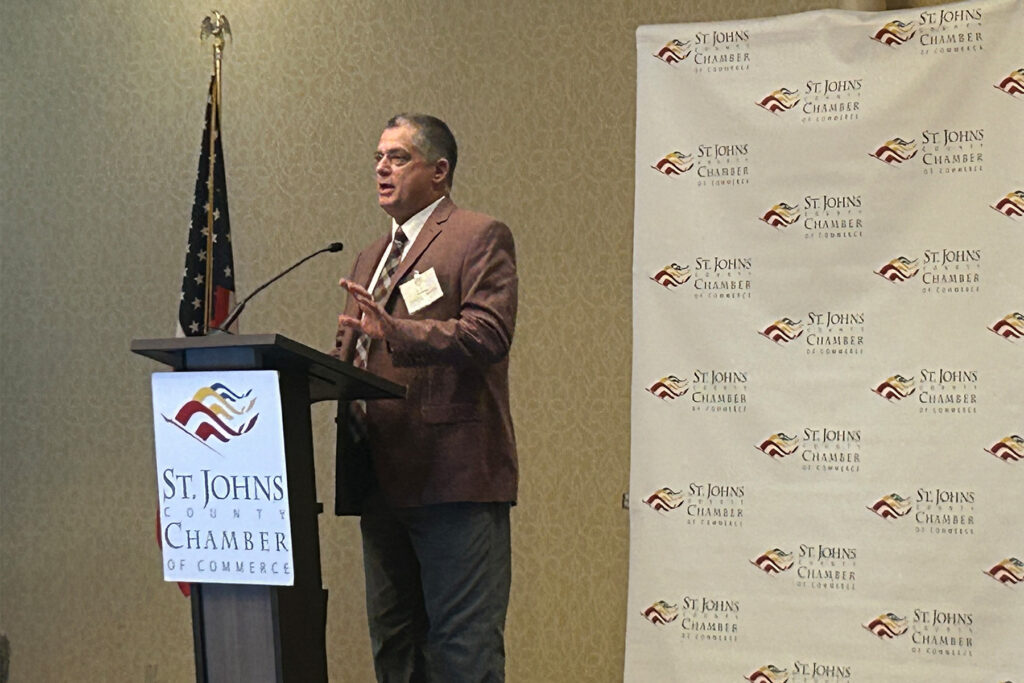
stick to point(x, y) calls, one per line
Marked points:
point(349, 321)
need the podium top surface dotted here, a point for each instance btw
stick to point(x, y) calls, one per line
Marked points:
point(329, 378)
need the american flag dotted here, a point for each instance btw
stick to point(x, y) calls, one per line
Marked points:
point(208, 284)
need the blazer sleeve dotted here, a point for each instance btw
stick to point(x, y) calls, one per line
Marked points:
point(481, 330)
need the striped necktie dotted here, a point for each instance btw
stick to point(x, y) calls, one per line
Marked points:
point(362, 351)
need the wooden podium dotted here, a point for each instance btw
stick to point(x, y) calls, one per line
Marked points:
point(275, 634)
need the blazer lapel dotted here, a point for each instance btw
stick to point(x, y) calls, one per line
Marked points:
point(430, 230)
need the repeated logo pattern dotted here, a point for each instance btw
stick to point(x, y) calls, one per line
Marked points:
point(927, 227)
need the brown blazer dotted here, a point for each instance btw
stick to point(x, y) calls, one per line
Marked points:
point(451, 439)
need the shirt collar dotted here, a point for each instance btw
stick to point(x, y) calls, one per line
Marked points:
point(412, 227)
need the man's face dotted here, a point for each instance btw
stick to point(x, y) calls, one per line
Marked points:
point(406, 181)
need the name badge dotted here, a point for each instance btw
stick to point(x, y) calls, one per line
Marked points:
point(422, 290)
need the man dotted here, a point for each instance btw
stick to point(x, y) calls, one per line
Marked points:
point(432, 306)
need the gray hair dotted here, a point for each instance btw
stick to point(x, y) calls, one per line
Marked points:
point(432, 137)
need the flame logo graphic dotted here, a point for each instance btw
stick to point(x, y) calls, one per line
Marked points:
point(783, 331)
point(896, 388)
point(1010, 326)
point(887, 625)
point(1009, 449)
point(672, 275)
point(774, 561)
point(674, 51)
point(900, 269)
point(1012, 205)
point(769, 674)
point(211, 412)
point(669, 388)
point(896, 151)
point(674, 163)
point(891, 506)
point(895, 33)
point(1013, 84)
point(661, 613)
point(664, 500)
point(1008, 572)
point(781, 215)
point(779, 445)
point(782, 99)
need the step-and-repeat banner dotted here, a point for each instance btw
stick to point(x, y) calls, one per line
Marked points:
point(828, 369)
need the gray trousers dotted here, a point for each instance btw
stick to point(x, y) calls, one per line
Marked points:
point(437, 588)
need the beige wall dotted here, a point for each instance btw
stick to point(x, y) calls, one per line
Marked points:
point(101, 115)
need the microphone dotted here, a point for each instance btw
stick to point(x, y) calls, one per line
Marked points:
point(237, 311)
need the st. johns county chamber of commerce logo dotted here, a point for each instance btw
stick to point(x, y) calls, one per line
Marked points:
point(1012, 205)
point(709, 391)
point(895, 151)
point(934, 32)
point(1008, 449)
point(708, 278)
point(707, 504)
point(1013, 84)
point(774, 561)
point(895, 33)
point(946, 271)
point(216, 412)
point(714, 164)
point(939, 391)
point(700, 618)
point(1010, 326)
point(822, 100)
point(816, 566)
point(669, 388)
point(819, 333)
point(935, 511)
point(769, 673)
point(942, 151)
point(888, 625)
point(802, 671)
point(824, 450)
point(895, 388)
point(1009, 572)
point(708, 52)
point(824, 216)
point(929, 632)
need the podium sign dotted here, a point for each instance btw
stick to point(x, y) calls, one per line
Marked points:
point(221, 477)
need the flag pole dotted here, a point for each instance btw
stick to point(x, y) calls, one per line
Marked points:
point(217, 28)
